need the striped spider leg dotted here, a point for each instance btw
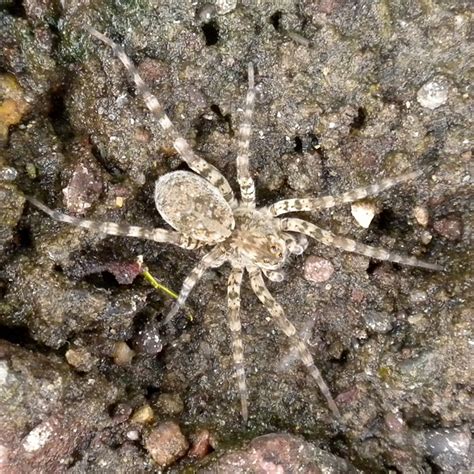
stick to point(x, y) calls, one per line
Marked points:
point(328, 238)
point(196, 163)
point(125, 230)
point(246, 183)
point(277, 313)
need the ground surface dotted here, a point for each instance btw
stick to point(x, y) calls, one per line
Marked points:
point(348, 92)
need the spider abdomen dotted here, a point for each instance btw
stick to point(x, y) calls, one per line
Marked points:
point(194, 207)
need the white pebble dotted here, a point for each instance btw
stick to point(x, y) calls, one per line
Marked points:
point(434, 93)
point(421, 215)
point(363, 212)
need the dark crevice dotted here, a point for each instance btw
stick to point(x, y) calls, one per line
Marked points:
point(16, 335)
point(359, 122)
point(14, 8)
point(342, 359)
point(275, 20)
point(298, 145)
point(114, 171)
point(103, 279)
point(25, 240)
point(58, 114)
point(211, 32)
point(373, 265)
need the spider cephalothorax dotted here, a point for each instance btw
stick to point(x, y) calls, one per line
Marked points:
point(201, 208)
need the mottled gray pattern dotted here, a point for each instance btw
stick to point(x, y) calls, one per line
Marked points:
point(203, 211)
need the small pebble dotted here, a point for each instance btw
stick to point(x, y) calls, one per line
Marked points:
point(166, 444)
point(449, 227)
point(143, 415)
point(170, 404)
point(80, 359)
point(434, 93)
point(123, 355)
point(363, 212)
point(426, 237)
point(378, 322)
point(317, 269)
point(225, 6)
point(421, 215)
point(7, 173)
point(201, 445)
point(133, 435)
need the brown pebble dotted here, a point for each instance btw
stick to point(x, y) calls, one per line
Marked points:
point(449, 227)
point(166, 443)
point(317, 269)
point(201, 445)
point(123, 355)
point(142, 135)
point(80, 359)
point(143, 415)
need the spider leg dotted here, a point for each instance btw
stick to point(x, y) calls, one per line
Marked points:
point(325, 202)
point(297, 244)
point(233, 301)
point(246, 183)
point(196, 163)
point(328, 238)
point(212, 259)
point(276, 311)
point(111, 228)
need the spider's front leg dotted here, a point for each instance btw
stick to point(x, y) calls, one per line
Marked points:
point(233, 301)
point(212, 259)
point(325, 202)
point(276, 311)
point(328, 238)
point(246, 183)
point(195, 162)
point(126, 230)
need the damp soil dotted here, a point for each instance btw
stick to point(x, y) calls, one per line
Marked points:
point(347, 93)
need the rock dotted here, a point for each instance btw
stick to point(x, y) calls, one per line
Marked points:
point(123, 355)
point(11, 208)
point(434, 93)
point(80, 359)
point(279, 453)
point(169, 404)
point(200, 444)
point(449, 227)
point(143, 415)
point(449, 448)
point(421, 215)
point(378, 322)
point(363, 212)
point(317, 269)
point(166, 443)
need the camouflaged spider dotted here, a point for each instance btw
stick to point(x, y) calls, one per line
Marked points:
point(201, 207)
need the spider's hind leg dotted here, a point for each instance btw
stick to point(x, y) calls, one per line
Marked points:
point(233, 301)
point(276, 311)
point(211, 259)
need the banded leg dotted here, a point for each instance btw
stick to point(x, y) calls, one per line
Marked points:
point(111, 228)
point(328, 238)
point(246, 183)
point(325, 202)
point(233, 301)
point(276, 311)
point(211, 259)
point(196, 163)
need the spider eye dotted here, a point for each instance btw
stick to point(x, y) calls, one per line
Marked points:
point(274, 249)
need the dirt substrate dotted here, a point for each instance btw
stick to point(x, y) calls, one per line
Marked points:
point(349, 92)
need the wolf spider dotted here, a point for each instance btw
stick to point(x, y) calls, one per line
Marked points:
point(201, 208)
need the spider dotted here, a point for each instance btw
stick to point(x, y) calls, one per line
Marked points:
point(202, 209)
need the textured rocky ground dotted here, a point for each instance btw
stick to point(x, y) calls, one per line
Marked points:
point(348, 92)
